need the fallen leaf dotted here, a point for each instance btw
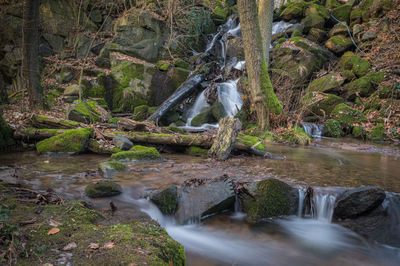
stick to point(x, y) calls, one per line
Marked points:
point(94, 246)
point(54, 223)
point(70, 246)
point(109, 245)
point(53, 231)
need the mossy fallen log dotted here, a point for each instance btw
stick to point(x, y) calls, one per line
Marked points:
point(42, 121)
point(36, 134)
point(244, 143)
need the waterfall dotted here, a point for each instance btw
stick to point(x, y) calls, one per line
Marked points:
point(230, 97)
point(302, 195)
point(320, 203)
point(199, 106)
point(314, 130)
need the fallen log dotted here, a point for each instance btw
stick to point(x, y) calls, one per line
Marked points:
point(243, 143)
point(184, 90)
point(228, 130)
point(126, 124)
point(42, 121)
point(35, 134)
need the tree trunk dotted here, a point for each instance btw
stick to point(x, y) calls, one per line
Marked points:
point(30, 47)
point(262, 96)
point(265, 15)
point(229, 128)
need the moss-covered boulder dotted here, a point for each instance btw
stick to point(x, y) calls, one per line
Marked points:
point(359, 132)
point(73, 141)
point(211, 115)
point(327, 83)
point(142, 112)
point(338, 29)
point(363, 86)
point(6, 134)
point(102, 189)
point(324, 106)
point(296, 59)
point(315, 17)
point(339, 43)
point(374, 8)
point(342, 13)
point(293, 10)
point(333, 128)
point(271, 198)
point(87, 112)
point(197, 151)
point(108, 169)
point(166, 200)
point(347, 116)
point(316, 35)
point(354, 63)
point(294, 135)
point(137, 153)
point(377, 133)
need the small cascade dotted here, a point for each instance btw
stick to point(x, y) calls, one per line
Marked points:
point(302, 196)
point(313, 129)
point(230, 97)
point(318, 203)
point(199, 106)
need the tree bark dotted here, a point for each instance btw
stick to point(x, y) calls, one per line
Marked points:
point(265, 15)
point(30, 46)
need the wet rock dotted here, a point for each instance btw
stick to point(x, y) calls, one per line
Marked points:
point(270, 198)
point(73, 141)
point(122, 142)
point(210, 115)
point(103, 189)
point(166, 200)
point(108, 169)
point(202, 197)
point(137, 153)
point(87, 112)
point(342, 13)
point(355, 202)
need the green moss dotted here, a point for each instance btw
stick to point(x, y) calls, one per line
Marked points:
point(374, 9)
point(95, 147)
point(179, 62)
point(355, 17)
point(211, 115)
point(348, 75)
point(296, 33)
point(197, 151)
point(265, 135)
point(326, 83)
point(271, 101)
point(103, 189)
point(85, 112)
point(356, 64)
point(377, 133)
point(359, 132)
point(166, 200)
point(333, 128)
point(331, 4)
point(341, 40)
point(294, 135)
point(347, 116)
point(271, 198)
point(325, 106)
point(313, 21)
point(293, 10)
point(176, 129)
point(162, 65)
point(179, 75)
point(342, 13)
point(137, 153)
point(116, 165)
point(251, 141)
point(114, 120)
point(281, 40)
point(140, 113)
point(72, 141)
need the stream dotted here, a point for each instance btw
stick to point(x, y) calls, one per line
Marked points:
point(226, 239)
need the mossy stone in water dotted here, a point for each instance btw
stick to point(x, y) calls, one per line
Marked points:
point(103, 189)
point(137, 153)
point(73, 141)
point(110, 168)
point(272, 198)
point(332, 128)
point(167, 200)
point(197, 151)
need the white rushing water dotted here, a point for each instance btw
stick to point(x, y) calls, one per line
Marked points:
point(312, 129)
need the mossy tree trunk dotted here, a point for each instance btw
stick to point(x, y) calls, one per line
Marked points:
point(260, 90)
point(30, 46)
point(265, 14)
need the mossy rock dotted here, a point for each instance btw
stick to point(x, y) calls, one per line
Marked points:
point(170, 117)
point(179, 75)
point(363, 86)
point(348, 75)
point(140, 241)
point(377, 133)
point(293, 10)
point(374, 8)
point(163, 65)
point(251, 141)
point(326, 83)
point(359, 132)
point(211, 115)
point(110, 168)
point(140, 113)
point(87, 112)
point(73, 141)
point(179, 62)
point(95, 147)
point(137, 153)
point(338, 29)
point(294, 135)
point(103, 189)
point(197, 151)
point(339, 43)
point(331, 4)
point(356, 64)
point(175, 129)
point(333, 128)
point(271, 198)
point(347, 116)
point(355, 17)
point(342, 13)
point(325, 106)
point(6, 134)
point(114, 120)
point(316, 35)
point(166, 200)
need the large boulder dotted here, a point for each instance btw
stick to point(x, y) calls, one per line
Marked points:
point(88, 112)
point(374, 8)
point(103, 189)
point(201, 197)
point(364, 86)
point(139, 34)
point(355, 202)
point(297, 58)
point(322, 106)
point(293, 10)
point(73, 141)
point(347, 116)
point(354, 63)
point(271, 198)
point(166, 200)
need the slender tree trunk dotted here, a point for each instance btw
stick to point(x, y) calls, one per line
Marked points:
point(30, 45)
point(265, 16)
